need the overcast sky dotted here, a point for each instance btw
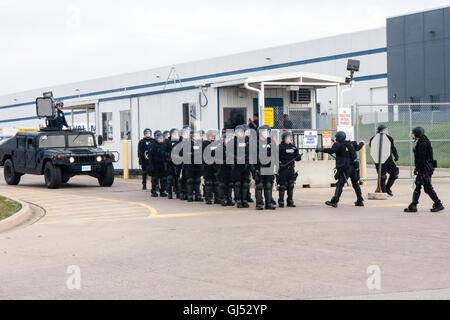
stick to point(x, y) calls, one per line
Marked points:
point(50, 42)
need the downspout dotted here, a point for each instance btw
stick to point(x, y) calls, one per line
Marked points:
point(260, 101)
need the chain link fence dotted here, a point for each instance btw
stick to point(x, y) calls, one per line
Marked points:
point(400, 119)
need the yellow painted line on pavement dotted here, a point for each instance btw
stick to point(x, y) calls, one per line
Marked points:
point(391, 205)
point(152, 210)
point(84, 213)
point(105, 219)
point(191, 214)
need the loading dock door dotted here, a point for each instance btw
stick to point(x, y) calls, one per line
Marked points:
point(278, 110)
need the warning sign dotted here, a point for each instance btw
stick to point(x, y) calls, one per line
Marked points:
point(310, 139)
point(268, 117)
point(349, 131)
point(326, 139)
point(345, 117)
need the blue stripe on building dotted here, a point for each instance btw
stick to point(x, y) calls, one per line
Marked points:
point(218, 75)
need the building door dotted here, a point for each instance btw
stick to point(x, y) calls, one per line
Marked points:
point(278, 110)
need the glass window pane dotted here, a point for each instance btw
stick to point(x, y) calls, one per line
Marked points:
point(125, 125)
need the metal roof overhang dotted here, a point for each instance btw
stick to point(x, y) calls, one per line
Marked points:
point(303, 79)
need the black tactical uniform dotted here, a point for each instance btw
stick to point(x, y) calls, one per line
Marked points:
point(263, 182)
point(143, 156)
point(425, 165)
point(225, 176)
point(286, 175)
point(241, 170)
point(173, 171)
point(60, 119)
point(193, 170)
point(158, 157)
point(210, 170)
point(346, 167)
point(248, 134)
point(389, 167)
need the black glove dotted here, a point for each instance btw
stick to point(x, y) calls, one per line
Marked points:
point(299, 158)
point(416, 172)
point(396, 159)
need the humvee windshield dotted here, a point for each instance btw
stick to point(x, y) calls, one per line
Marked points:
point(81, 140)
point(52, 141)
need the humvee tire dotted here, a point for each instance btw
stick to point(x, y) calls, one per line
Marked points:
point(107, 179)
point(52, 175)
point(11, 176)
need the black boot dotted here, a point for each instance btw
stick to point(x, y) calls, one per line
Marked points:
point(238, 194)
point(163, 187)
point(144, 181)
point(337, 194)
point(259, 199)
point(198, 194)
point(269, 200)
point(290, 196)
point(281, 198)
point(437, 207)
point(249, 197)
point(411, 208)
point(154, 189)
point(230, 201)
point(389, 185)
point(190, 192)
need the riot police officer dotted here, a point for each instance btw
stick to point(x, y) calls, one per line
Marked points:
point(286, 175)
point(158, 158)
point(194, 170)
point(425, 165)
point(389, 167)
point(173, 172)
point(345, 168)
point(166, 135)
point(225, 175)
point(210, 169)
point(241, 170)
point(60, 120)
point(143, 156)
point(263, 182)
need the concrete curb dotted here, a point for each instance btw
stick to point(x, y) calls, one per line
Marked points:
point(18, 218)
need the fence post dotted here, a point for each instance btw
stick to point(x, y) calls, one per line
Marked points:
point(363, 160)
point(125, 159)
point(410, 144)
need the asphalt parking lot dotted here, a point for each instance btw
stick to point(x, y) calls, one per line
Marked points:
point(128, 245)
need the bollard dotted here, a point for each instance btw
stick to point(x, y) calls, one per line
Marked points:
point(363, 163)
point(333, 123)
point(125, 159)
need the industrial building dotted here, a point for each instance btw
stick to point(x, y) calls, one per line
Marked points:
point(303, 80)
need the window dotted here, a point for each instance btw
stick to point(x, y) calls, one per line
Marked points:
point(21, 143)
point(302, 96)
point(185, 114)
point(435, 99)
point(415, 100)
point(52, 141)
point(81, 140)
point(107, 127)
point(125, 125)
point(30, 145)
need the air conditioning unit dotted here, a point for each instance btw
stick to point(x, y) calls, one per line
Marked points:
point(301, 96)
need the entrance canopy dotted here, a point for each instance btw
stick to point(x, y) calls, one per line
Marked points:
point(290, 81)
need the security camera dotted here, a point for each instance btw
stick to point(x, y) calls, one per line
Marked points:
point(352, 66)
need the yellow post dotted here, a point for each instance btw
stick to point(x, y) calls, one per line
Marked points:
point(125, 159)
point(333, 123)
point(362, 154)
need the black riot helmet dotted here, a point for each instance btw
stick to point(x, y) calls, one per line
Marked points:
point(196, 136)
point(340, 136)
point(159, 137)
point(185, 133)
point(211, 135)
point(157, 132)
point(166, 134)
point(285, 135)
point(174, 135)
point(264, 131)
point(418, 132)
point(240, 131)
point(381, 127)
point(148, 133)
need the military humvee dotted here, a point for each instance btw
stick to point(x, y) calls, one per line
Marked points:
point(57, 154)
